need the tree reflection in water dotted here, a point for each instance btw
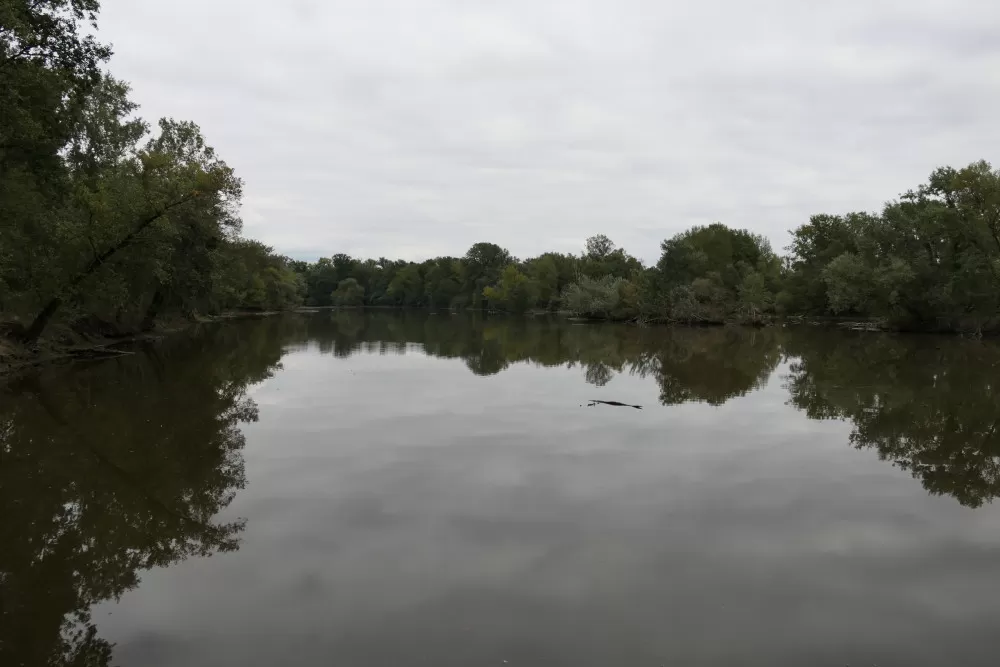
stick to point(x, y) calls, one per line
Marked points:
point(113, 468)
point(929, 405)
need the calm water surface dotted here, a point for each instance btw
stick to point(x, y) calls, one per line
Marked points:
point(389, 489)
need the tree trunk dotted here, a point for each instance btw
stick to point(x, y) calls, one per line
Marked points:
point(42, 319)
point(149, 320)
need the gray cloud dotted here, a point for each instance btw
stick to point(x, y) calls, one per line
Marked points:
point(411, 129)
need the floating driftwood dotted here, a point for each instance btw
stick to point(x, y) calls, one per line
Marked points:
point(99, 352)
point(617, 404)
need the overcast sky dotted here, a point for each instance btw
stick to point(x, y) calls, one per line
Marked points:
point(414, 128)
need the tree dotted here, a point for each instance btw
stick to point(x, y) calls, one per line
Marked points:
point(441, 280)
point(551, 273)
point(848, 284)
point(704, 273)
point(601, 258)
point(321, 281)
point(106, 226)
point(515, 292)
point(813, 246)
point(349, 293)
point(483, 264)
point(407, 287)
point(606, 298)
point(47, 70)
point(930, 260)
point(174, 196)
point(599, 247)
point(249, 275)
point(487, 255)
point(755, 298)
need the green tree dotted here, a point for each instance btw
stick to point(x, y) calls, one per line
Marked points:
point(755, 298)
point(249, 275)
point(105, 225)
point(407, 287)
point(604, 298)
point(153, 219)
point(930, 260)
point(321, 282)
point(515, 291)
point(349, 293)
point(601, 258)
point(701, 273)
point(552, 272)
point(599, 247)
point(442, 282)
point(482, 266)
point(813, 246)
point(48, 69)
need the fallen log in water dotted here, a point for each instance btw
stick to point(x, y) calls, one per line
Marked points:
point(594, 402)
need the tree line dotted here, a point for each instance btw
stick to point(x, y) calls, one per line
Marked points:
point(109, 226)
point(929, 261)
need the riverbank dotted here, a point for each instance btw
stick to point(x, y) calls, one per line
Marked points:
point(76, 344)
point(15, 357)
point(67, 345)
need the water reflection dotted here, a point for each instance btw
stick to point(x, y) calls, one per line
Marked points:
point(113, 468)
point(710, 365)
point(928, 405)
point(714, 365)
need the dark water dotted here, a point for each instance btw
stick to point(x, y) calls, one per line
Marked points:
point(390, 489)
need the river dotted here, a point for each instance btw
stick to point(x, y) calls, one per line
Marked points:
point(386, 488)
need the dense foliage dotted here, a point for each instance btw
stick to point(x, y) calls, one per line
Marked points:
point(108, 225)
point(486, 277)
point(928, 261)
